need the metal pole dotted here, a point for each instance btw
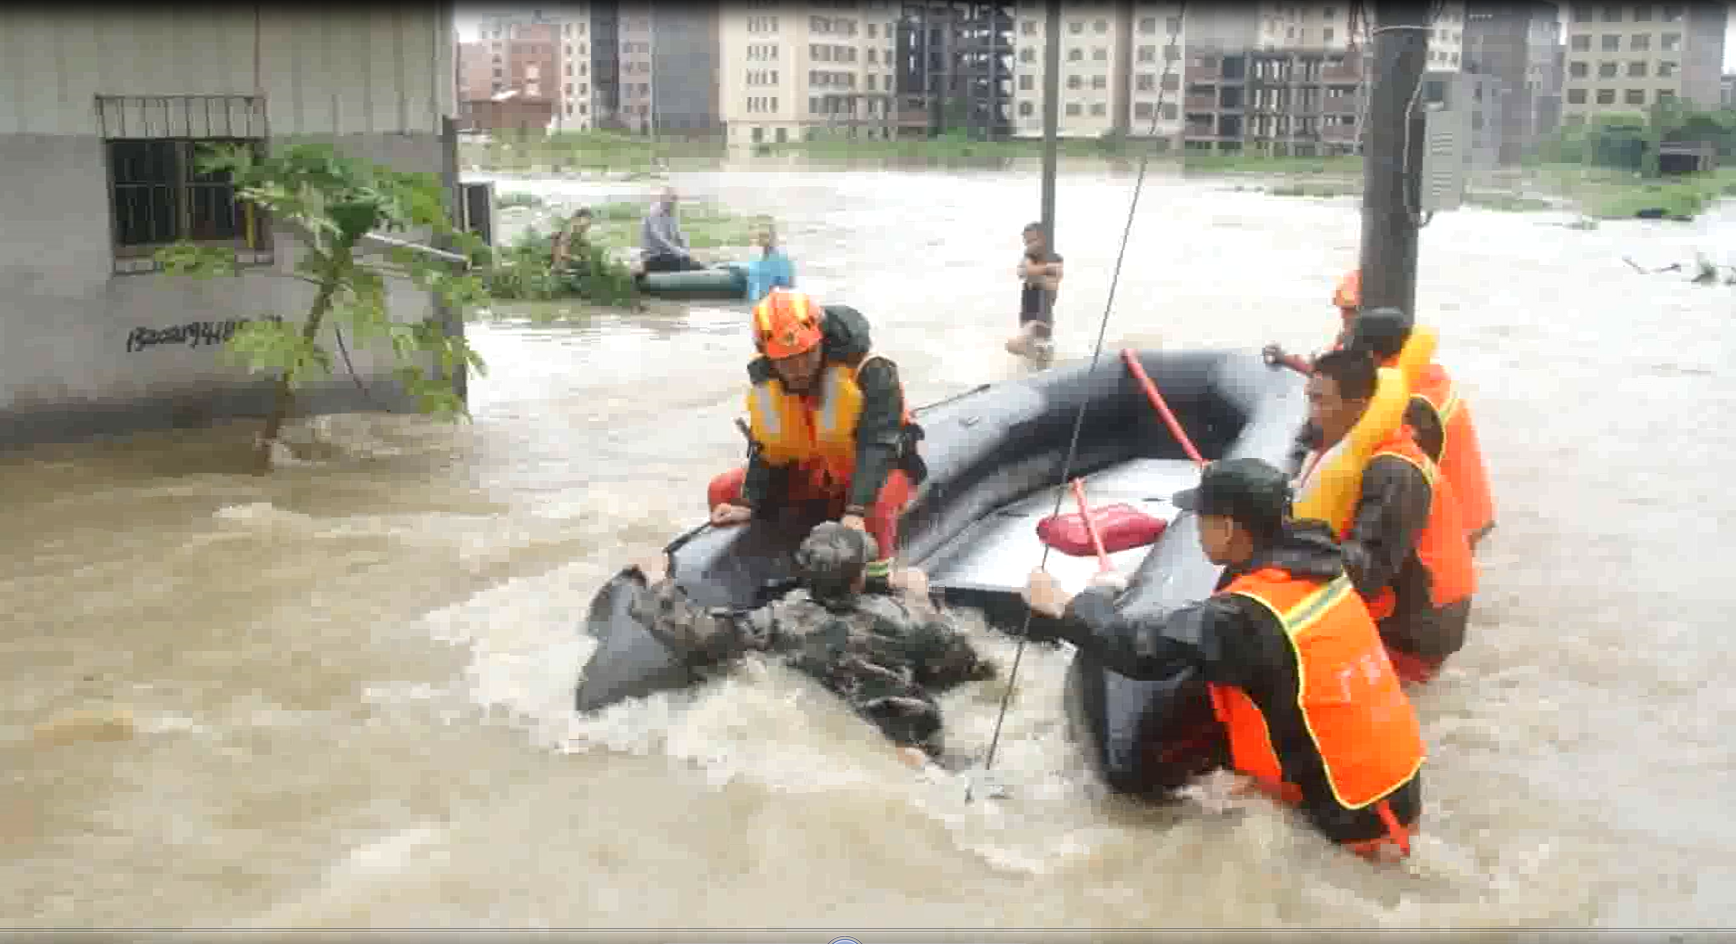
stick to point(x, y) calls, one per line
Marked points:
point(1391, 177)
point(1051, 116)
point(450, 320)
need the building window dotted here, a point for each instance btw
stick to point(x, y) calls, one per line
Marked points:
point(1612, 14)
point(1326, 35)
point(1635, 96)
point(1097, 109)
point(1581, 13)
point(1672, 13)
point(1581, 44)
point(1148, 54)
point(1075, 83)
point(1076, 27)
point(1099, 82)
point(1637, 70)
point(1666, 70)
point(1578, 70)
point(1148, 25)
point(1606, 96)
point(1027, 82)
point(1642, 12)
point(1665, 95)
point(1576, 96)
point(1145, 110)
point(159, 197)
point(1100, 54)
point(1639, 42)
point(1027, 109)
point(1028, 27)
point(1072, 109)
point(1102, 26)
point(1146, 82)
point(1027, 54)
point(1607, 70)
point(1671, 42)
point(1075, 55)
point(1611, 42)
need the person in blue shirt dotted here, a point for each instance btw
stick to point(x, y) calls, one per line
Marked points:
point(772, 269)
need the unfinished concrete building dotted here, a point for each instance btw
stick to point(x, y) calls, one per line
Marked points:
point(1273, 101)
point(955, 67)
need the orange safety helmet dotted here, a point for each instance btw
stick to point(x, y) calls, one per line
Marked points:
point(786, 323)
point(1349, 293)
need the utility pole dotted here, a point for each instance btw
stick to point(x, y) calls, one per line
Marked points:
point(1392, 154)
point(1051, 116)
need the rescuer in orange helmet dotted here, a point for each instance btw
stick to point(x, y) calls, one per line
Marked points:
point(828, 424)
point(1348, 298)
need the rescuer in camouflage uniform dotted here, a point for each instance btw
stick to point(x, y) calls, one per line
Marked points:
point(885, 655)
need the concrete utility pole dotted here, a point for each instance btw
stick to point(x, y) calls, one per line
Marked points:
point(1051, 115)
point(1391, 177)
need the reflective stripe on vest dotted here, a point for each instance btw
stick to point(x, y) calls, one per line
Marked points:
point(818, 431)
point(1441, 545)
point(1358, 719)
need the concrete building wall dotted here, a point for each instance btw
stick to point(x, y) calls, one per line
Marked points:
point(1093, 58)
point(1517, 42)
point(1626, 57)
point(574, 108)
point(634, 47)
point(685, 64)
point(86, 347)
point(788, 71)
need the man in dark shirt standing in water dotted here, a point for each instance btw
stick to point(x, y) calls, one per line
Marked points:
point(1040, 270)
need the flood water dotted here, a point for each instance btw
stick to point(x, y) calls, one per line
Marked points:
point(351, 681)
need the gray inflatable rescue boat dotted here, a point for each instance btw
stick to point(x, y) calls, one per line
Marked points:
point(993, 457)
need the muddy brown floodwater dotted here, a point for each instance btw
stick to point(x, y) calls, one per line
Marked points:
point(350, 682)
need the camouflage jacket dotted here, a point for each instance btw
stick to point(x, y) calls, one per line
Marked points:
point(883, 656)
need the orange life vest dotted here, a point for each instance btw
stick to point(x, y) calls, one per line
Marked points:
point(1461, 458)
point(1441, 546)
point(1357, 716)
point(817, 432)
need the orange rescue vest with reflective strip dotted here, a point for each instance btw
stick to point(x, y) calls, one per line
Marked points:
point(817, 432)
point(1357, 716)
point(1441, 545)
point(1461, 458)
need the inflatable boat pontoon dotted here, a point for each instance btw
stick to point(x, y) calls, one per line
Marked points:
point(994, 456)
point(722, 283)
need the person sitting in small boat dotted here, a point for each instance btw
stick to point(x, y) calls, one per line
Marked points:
point(1438, 415)
point(1315, 715)
point(829, 424)
point(1348, 299)
point(662, 245)
point(1405, 547)
point(772, 269)
point(1040, 270)
point(886, 655)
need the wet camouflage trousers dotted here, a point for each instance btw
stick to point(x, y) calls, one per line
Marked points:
point(884, 658)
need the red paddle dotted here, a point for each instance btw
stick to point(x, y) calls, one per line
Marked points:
point(1131, 358)
point(1091, 525)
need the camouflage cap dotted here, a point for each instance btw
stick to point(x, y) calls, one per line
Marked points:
point(832, 545)
point(833, 553)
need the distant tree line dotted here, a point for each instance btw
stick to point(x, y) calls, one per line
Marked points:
point(1632, 141)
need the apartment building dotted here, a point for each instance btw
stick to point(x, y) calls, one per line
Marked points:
point(1625, 57)
point(1518, 42)
point(794, 71)
point(1121, 68)
point(575, 108)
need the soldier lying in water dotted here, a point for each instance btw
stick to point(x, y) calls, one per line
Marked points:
point(886, 655)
